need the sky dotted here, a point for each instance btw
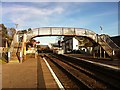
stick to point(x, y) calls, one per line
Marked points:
point(89, 15)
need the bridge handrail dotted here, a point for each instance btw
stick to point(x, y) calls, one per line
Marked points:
point(100, 39)
point(20, 49)
point(111, 43)
point(12, 44)
point(107, 45)
point(51, 30)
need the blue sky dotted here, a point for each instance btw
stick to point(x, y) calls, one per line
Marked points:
point(90, 15)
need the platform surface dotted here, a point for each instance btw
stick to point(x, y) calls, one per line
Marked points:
point(32, 73)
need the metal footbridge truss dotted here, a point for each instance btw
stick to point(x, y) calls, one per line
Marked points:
point(107, 44)
point(58, 31)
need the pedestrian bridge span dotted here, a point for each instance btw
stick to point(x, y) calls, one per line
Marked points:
point(60, 31)
point(104, 41)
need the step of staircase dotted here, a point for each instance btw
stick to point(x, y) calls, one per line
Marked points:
point(14, 61)
point(14, 58)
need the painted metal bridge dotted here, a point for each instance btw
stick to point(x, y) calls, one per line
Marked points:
point(60, 31)
point(104, 41)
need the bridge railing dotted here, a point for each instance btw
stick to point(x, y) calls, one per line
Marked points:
point(64, 31)
point(12, 44)
point(110, 42)
point(60, 31)
point(20, 50)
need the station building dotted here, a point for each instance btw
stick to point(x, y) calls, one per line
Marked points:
point(85, 46)
point(69, 44)
point(77, 45)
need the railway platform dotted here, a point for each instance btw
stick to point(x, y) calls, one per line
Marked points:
point(115, 64)
point(35, 73)
point(32, 73)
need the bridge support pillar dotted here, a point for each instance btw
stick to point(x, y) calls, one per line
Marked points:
point(36, 54)
point(17, 40)
point(100, 52)
point(93, 52)
point(104, 55)
point(8, 57)
point(24, 52)
point(24, 49)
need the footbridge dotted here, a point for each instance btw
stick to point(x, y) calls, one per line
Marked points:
point(104, 41)
point(60, 31)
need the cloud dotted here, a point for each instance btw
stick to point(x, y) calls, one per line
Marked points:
point(84, 15)
point(21, 14)
point(32, 10)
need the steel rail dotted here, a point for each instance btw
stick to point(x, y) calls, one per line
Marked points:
point(72, 69)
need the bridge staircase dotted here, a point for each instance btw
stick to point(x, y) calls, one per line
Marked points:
point(109, 46)
point(15, 50)
point(13, 56)
point(12, 50)
point(106, 43)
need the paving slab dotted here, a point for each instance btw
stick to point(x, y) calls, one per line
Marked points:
point(31, 74)
point(20, 75)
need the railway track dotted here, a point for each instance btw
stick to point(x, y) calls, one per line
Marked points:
point(86, 75)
